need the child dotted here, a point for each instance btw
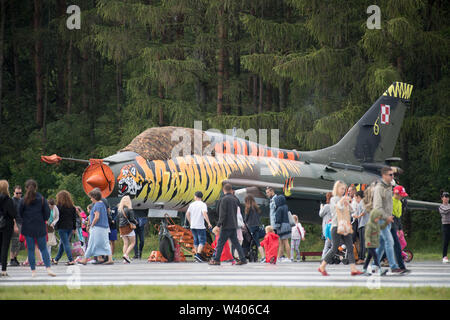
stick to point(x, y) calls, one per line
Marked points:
point(372, 236)
point(84, 224)
point(363, 218)
point(327, 234)
point(297, 234)
point(226, 252)
point(270, 245)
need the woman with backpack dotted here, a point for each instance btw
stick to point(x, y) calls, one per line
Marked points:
point(127, 224)
point(282, 227)
point(7, 223)
point(34, 210)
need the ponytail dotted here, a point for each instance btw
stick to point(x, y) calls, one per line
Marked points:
point(30, 195)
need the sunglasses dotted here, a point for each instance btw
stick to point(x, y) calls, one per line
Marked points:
point(445, 196)
point(18, 192)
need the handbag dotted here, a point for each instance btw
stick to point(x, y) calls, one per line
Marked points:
point(52, 241)
point(344, 226)
point(127, 228)
point(291, 219)
point(77, 249)
point(50, 229)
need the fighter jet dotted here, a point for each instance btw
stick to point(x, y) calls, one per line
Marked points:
point(163, 167)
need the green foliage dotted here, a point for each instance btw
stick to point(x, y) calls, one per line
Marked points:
point(71, 183)
point(139, 64)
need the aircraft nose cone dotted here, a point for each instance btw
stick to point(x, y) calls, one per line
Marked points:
point(98, 175)
point(97, 181)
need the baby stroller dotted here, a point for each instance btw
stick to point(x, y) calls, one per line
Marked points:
point(406, 254)
point(249, 245)
point(341, 255)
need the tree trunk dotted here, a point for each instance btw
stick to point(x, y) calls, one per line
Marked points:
point(255, 93)
point(96, 68)
point(69, 78)
point(84, 81)
point(15, 53)
point(261, 88)
point(44, 117)
point(60, 66)
point(221, 61)
point(38, 61)
point(283, 93)
point(2, 40)
point(269, 97)
point(161, 110)
point(119, 90)
point(201, 94)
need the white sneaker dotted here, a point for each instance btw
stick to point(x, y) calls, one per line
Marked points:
point(445, 260)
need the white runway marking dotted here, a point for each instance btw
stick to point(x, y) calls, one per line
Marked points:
point(303, 274)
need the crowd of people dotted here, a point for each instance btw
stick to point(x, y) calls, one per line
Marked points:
point(38, 225)
point(232, 224)
point(373, 219)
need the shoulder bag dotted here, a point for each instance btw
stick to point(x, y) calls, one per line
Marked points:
point(344, 226)
point(128, 227)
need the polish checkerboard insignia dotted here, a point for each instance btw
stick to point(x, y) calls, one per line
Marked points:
point(385, 113)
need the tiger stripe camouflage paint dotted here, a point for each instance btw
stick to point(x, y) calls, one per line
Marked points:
point(174, 181)
point(399, 90)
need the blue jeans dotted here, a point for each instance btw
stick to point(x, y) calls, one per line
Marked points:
point(140, 238)
point(199, 237)
point(64, 245)
point(387, 244)
point(42, 245)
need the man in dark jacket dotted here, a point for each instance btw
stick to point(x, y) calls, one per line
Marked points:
point(228, 225)
point(15, 243)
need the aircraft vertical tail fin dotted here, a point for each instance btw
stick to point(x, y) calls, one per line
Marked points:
point(373, 138)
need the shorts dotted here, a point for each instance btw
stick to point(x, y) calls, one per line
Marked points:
point(113, 235)
point(131, 234)
point(199, 236)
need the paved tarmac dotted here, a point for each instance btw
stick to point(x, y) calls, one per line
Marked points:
point(286, 274)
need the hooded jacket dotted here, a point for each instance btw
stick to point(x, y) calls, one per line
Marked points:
point(270, 245)
point(34, 217)
point(281, 211)
point(382, 199)
point(372, 231)
point(7, 209)
point(282, 225)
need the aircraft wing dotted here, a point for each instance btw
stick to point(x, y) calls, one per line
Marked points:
point(421, 205)
point(303, 192)
point(317, 193)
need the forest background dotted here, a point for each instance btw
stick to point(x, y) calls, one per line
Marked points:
point(309, 68)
